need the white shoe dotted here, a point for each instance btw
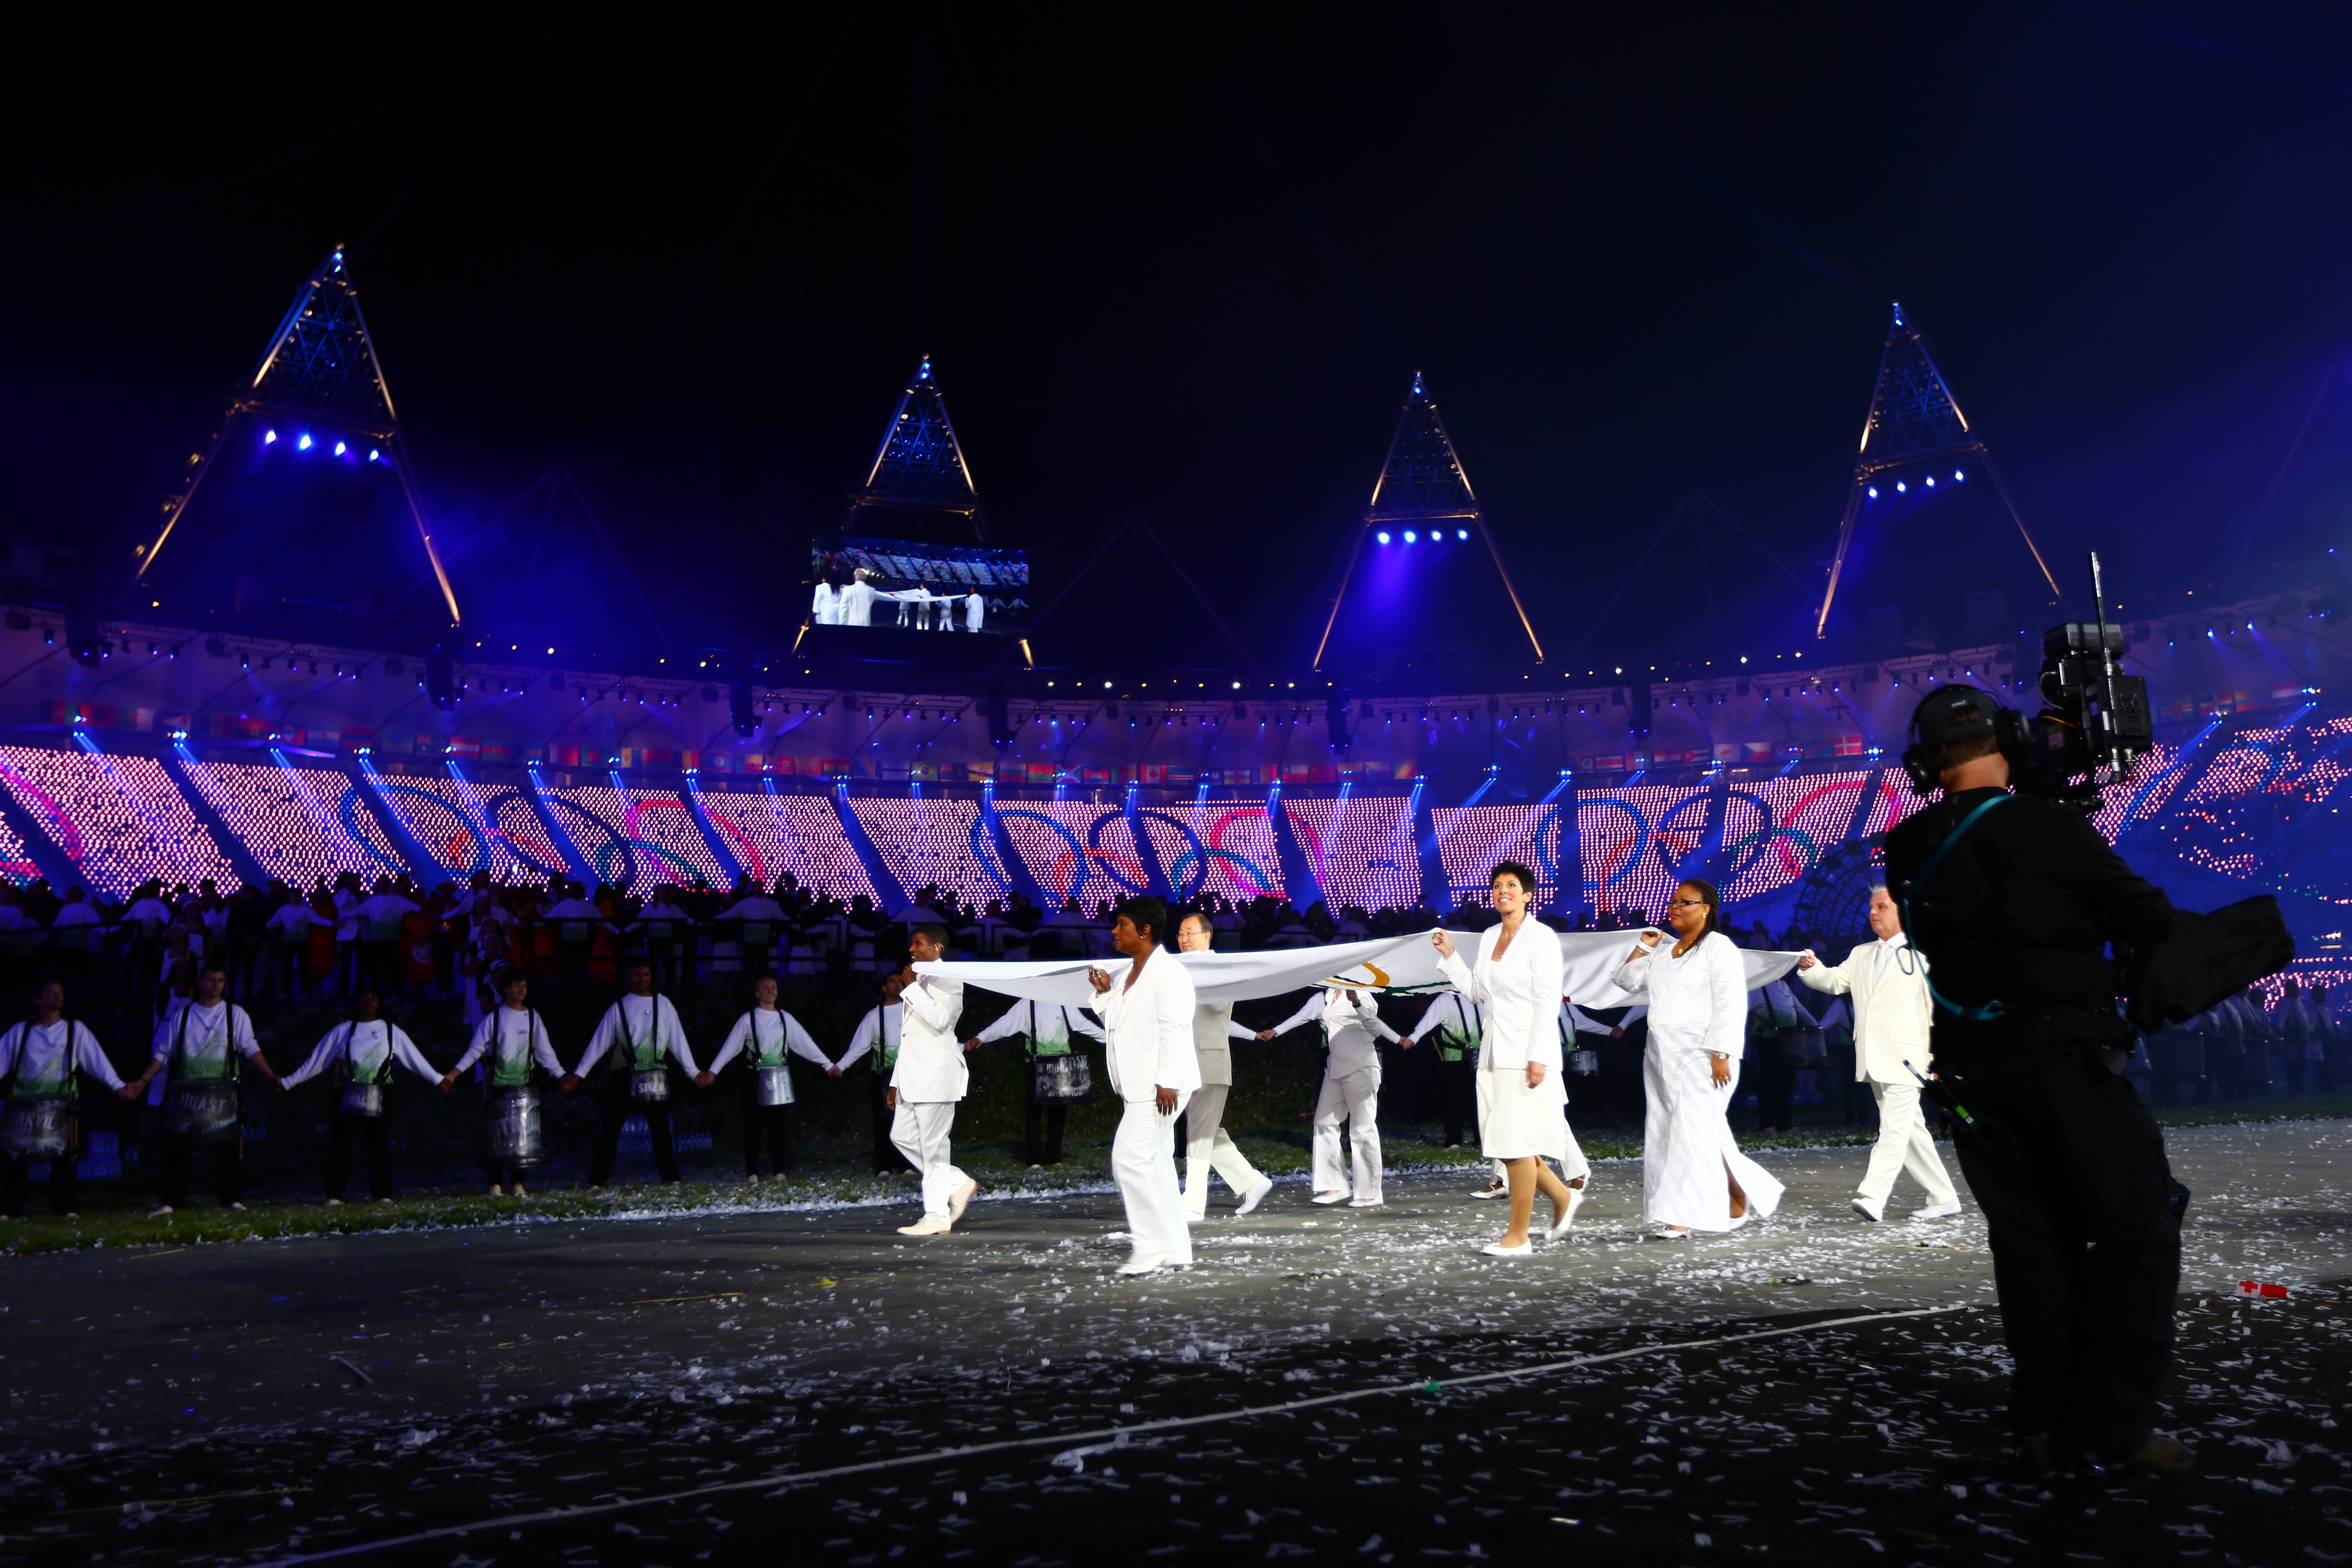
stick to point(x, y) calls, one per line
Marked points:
point(1873, 1211)
point(1741, 1220)
point(159, 1211)
point(518, 1192)
point(1670, 1234)
point(383, 1200)
point(239, 1208)
point(497, 1191)
point(334, 1203)
point(753, 1179)
point(925, 1225)
point(1144, 1265)
point(1938, 1210)
point(1255, 1195)
point(956, 1203)
point(1496, 1249)
point(1328, 1198)
point(1496, 1190)
point(1567, 1222)
point(1367, 1203)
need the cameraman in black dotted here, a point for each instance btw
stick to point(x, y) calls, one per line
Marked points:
point(2012, 901)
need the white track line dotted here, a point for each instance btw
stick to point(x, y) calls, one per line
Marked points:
point(937, 1456)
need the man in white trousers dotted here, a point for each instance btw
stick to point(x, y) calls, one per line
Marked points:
point(1207, 1146)
point(1352, 1093)
point(929, 1079)
point(1887, 983)
point(1153, 1070)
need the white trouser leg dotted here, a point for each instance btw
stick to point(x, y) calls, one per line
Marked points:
point(1208, 1148)
point(1358, 1098)
point(920, 1131)
point(1903, 1144)
point(1576, 1167)
point(1330, 1174)
point(1143, 1163)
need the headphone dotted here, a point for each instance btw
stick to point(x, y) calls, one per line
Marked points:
point(1953, 713)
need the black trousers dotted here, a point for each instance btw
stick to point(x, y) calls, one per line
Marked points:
point(348, 1132)
point(1048, 1116)
point(1457, 1097)
point(228, 1172)
point(503, 1176)
point(772, 1124)
point(619, 1105)
point(1768, 1069)
point(886, 1153)
point(2069, 1164)
point(16, 1183)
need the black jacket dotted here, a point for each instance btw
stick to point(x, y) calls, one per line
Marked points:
point(2019, 912)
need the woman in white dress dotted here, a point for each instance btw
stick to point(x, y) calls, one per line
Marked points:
point(1522, 1091)
point(1694, 1176)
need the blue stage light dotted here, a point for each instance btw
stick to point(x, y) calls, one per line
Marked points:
point(1462, 533)
point(268, 437)
point(1410, 537)
point(1931, 481)
point(1385, 538)
point(339, 451)
point(1957, 475)
point(1873, 492)
point(374, 456)
point(1899, 486)
point(302, 442)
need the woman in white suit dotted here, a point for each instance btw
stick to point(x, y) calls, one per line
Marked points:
point(1694, 1176)
point(1154, 1069)
point(1522, 1091)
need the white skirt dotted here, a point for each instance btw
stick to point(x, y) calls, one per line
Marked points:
point(1689, 1158)
point(1515, 1121)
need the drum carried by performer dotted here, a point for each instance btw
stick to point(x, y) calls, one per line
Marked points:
point(640, 1030)
point(39, 1059)
point(764, 1036)
point(1058, 1077)
point(514, 1039)
point(359, 1052)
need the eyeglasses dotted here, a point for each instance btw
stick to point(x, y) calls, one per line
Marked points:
point(1685, 903)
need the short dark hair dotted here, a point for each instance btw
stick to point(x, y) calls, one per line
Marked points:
point(214, 966)
point(1207, 923)
point(932, 929)
point(1146, 911)
point(1512, 868)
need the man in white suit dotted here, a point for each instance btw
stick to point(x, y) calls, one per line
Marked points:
point(1153, 1070)
point(1887, 983)
point(1352, 1093)
point(1207, 1146)
point(925, 1086)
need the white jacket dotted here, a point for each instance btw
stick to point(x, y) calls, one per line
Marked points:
point(930, 1059)
point(1151, 1030)
point(1892, 1010)
point(1521, 992)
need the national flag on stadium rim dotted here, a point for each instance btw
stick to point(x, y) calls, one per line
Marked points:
point(463, 746)
point(2286, 693)
point(1039, 773)
point(927, 772)
point(1182, 775)
point(1093, 776)
point(495, 751)
point(1667, 759)
point(1849, 745)
point(1606, 764)
point(723, 761)
point(1756, 751)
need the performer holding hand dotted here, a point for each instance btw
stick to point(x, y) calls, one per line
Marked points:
point(1522, 1085)
point(1154, 1070)
point(39, 1059)
point(1694, 1176)
point(360, 1051)
point(763, 1037)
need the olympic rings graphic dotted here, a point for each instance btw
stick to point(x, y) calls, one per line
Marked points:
point(494, 806)
point(1257, 873)
point(1196, 849)
point(68, 836)
point(1107, 860)
point(603, 859)
point(393, 788)
point(1641, 841)
point(984, 852)
point(348, 811)
point(1545, 836)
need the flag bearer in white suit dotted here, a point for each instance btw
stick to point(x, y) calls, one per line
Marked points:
point(1154, 1069)
point(1522, 1079)
point(1352, 1093)
point(1887, 983)
point(925, 1086)
point(1207, 1146)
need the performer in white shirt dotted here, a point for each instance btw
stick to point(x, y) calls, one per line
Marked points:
point(639, 1029)
point(878, 1034)
point(1352, 1093)
point(1886, 980)
point(39, 1059)
point(974, 609)
point(380, 916)
point(361, 1051)
point(1154, 1069)
point(506, 1045)
point(824, 607)
point(764, 1036)
point(1694, 1176)
point(1522, 1079)
point(1207, 1146)
point(1045, 1028)
point(202, 1043)
point(857, 600)
point(930, 1078)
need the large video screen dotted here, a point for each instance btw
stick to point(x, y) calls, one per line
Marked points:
point(948, 588)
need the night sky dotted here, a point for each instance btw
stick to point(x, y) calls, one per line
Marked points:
point(1187, 272)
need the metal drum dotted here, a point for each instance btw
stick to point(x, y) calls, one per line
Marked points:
point(202, 1114)
point(362, 1099)
point(651, 1084)
point(1067, 1078)
point(772, 1086)
point(1584, 1064)
point(38, 1127)
point(516, 1137)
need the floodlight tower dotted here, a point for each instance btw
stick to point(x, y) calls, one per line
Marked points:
point(1422, 483)
point(320, 368)
point(919, 464)
point(1914, 422)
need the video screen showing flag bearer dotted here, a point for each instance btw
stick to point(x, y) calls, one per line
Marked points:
point(947, 588)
